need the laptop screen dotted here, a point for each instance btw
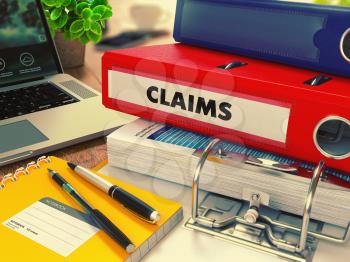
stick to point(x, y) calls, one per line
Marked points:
point(26, 48)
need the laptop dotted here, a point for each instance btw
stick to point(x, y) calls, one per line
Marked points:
point(41, 108)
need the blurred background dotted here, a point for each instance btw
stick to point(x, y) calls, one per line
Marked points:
point(126, 17)
point(130, 15)
point(136, 23)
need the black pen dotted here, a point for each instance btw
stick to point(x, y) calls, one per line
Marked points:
point(129, 201)
point(101, 220)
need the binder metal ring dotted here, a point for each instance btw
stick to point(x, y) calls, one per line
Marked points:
point(207, 225)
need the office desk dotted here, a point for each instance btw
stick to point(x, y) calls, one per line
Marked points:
point(91, 153)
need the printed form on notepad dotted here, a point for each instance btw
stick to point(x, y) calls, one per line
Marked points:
point(54, 225)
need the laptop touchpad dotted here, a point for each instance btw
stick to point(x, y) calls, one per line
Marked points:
point(19, 134)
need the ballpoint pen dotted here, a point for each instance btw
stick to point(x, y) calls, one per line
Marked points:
point(101, 220)
point(129, 201)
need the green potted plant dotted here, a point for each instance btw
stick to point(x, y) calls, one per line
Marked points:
point(73, 24)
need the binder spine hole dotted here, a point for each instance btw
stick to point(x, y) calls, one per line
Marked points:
point(332, 137)
point(345, 45)
point(317, 80)
point(232, 65)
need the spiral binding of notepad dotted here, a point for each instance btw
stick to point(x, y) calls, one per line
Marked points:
point(13, 177)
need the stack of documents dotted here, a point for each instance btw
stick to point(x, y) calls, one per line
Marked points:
point(168, 153)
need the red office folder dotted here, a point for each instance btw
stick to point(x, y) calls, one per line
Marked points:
point(289, 111)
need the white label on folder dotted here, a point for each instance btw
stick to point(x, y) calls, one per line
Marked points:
point(53, 225)
point(258, 117)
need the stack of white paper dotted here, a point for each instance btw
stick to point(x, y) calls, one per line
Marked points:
point(167, 153)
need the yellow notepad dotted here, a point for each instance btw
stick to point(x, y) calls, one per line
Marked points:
point(34, 207)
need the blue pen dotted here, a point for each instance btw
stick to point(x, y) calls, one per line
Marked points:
point(101, 220)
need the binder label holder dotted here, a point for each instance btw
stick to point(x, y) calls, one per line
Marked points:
point(252, 227)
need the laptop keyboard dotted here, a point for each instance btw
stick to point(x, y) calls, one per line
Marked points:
point(32, 99)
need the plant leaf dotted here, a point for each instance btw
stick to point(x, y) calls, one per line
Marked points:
point(66, 3)
point(84, 39)
point(87, 12)
point(58, 3)
point(52, 24)
point(87, 25)
point(95, 3)
point(77, 26)
point(96, 28)
point(67, 25)
point(72, 5)
point(49, 2)
point(93, 37)
point(47, 14)
point(55, 14)
point(100, 9)
point(77, 35)
point(107, 14)
point(80, 7)
point(62, 20)
point(96, 17)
